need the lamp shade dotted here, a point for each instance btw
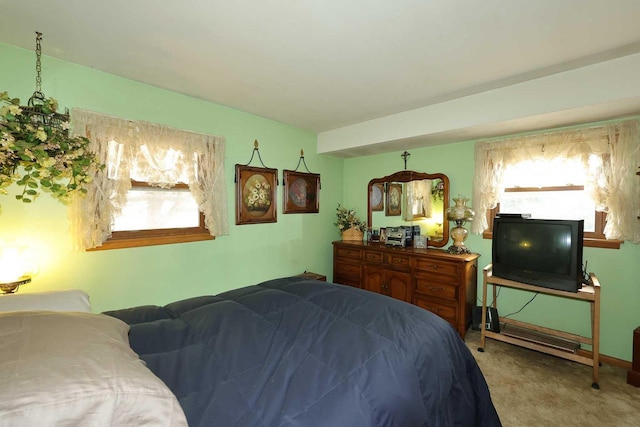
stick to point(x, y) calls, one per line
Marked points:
point(16, 267)
point(460, 211)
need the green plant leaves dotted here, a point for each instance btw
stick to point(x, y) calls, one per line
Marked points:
point(39, 157)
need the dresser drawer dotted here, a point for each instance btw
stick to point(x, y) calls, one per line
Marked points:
point(346, 252)
point(429, 287)
point(397, 260)
point(447, 312)
point(347, 274)
point(438, 267)
point(370, 256)
point(345, 269)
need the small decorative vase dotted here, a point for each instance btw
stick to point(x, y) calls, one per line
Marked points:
point(352, 234)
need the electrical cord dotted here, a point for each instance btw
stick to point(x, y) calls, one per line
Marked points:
point(521, 308)
point(497, 295)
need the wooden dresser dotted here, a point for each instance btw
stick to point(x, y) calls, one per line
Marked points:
point(433, 279)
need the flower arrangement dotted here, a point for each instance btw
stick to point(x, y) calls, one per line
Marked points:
point(347, 218)
point(50, 160)
point(258, 194)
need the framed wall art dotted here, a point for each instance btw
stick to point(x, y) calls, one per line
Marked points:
point(394, 200)
point(255, 195)
point(301, 192)
point(377, 197)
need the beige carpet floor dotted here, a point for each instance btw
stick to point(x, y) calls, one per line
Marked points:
point(529, 388)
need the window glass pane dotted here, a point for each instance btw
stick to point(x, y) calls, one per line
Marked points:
point(150, 208)
point(551, 205)
point(545, 173)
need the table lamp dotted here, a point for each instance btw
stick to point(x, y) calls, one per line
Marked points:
point(459, 213)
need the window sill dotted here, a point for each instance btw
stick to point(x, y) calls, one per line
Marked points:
point(134, 242)
point(588, 242)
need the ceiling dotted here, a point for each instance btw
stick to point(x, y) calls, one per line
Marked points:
point(325, 65)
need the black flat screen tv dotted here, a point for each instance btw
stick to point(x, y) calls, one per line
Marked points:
point(541, 252)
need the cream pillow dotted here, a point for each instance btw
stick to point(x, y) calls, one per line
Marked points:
point(77, 369)
point(67, 300)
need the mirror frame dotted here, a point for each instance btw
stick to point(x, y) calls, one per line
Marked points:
point(408, 176)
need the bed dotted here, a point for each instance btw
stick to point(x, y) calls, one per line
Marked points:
point(286, 352)
point(299, 352)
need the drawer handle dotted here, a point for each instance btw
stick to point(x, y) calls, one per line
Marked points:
point(432, 289)
point(435, 266)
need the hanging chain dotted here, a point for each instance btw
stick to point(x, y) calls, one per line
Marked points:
point(38, 63)
point(35, 111)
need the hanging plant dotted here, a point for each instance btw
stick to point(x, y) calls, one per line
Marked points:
point(42, 157)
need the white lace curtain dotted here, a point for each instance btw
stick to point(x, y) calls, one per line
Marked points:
point(614, 185)
point(418, 203)
point(157, 154)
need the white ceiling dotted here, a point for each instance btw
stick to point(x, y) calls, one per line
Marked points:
point(324, 65)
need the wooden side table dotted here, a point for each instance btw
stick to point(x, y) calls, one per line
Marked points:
point(313, 276)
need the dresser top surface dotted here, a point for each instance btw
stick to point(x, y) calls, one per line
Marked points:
point(408, 250)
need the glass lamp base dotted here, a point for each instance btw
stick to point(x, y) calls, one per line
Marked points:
point(459, 235)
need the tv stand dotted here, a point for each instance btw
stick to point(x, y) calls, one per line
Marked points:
point(546, 340)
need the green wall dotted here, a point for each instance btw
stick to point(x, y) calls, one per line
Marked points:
point(252, 253)
point(617, 270)
point(161, 274)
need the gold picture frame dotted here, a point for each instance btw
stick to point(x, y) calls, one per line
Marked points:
point(255, 195)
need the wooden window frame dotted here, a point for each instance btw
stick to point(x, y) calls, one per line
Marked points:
point(153, 237)
point(592, 239)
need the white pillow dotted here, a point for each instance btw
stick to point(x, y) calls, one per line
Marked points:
point(68, 300)
point(77, 369)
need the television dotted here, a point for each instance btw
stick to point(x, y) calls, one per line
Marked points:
point(541, 252)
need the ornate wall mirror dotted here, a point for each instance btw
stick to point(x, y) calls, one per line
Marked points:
point(411, 198)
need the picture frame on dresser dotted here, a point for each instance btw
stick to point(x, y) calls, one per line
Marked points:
point(255, 195)
point(301, 192)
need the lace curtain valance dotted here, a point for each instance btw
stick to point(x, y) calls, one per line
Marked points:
point(157, 154)
point(613, 184)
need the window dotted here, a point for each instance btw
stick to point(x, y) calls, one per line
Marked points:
point(156, 216)
point(558, 203)
point(560, 194)
point(161, 185)
point(570, 174)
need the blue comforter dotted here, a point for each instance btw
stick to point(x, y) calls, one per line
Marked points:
point(298, 352)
